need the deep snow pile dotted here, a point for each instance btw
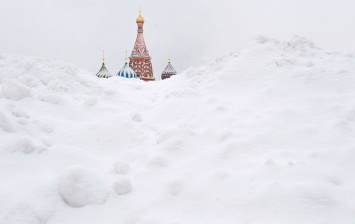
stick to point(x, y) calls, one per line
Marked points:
point(263, 135)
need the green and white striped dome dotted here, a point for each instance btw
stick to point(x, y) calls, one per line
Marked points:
point(103, 73)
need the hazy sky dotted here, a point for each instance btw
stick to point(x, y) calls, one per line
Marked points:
point(77, 31)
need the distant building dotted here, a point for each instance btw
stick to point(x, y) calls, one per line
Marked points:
point(103, 73)
point(139, 64)
point(168, 71)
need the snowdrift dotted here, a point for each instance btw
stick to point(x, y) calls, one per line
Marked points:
point(263, 135)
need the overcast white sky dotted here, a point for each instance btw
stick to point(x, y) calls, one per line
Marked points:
point(77, 31)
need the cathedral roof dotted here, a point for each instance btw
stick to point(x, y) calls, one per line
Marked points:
point(169, 69)
point(103, 73)
point(127, 72)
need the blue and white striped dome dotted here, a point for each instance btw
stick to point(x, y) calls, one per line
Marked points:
point(127, 72)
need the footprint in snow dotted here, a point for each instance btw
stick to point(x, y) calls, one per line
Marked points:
point(121, 168)
point(122, 185)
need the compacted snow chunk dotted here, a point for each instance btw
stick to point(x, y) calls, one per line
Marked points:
point(5, 123)
point(122, 185)
point(13, 90)
point(121, 167)
point(80, 187)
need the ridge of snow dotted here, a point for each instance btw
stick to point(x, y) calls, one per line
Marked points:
point(262, 135)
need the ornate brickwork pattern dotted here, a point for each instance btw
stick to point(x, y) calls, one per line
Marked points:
point(140, 61)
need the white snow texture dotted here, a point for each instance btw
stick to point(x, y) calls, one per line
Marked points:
point(264, 135)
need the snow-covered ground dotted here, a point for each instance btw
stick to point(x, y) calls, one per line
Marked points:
point(264, 135)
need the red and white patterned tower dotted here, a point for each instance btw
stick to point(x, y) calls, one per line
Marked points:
point(140, 61)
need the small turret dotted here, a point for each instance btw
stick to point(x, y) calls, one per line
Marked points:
point(169, 70)
point(103, 73)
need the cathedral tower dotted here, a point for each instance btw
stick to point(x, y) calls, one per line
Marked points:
point(140, 61)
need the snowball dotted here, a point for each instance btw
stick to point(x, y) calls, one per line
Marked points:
point(22, 121)
point(122, 185)
point(5, 123)
point(158, 161)
point(17, 112)
point(80, 187)
point(342, 71)
point(50, 98)
point(45, 78)
point(29, 81)
point(27, 146)
point(109, 92)
point(175, 186)
point(15, 91)
point(91, 102)
point(301, 43)
point(121, 167)
point(261, 39)
point(46, 142)
point(309, 64)
point(45, 126)
point(136, 117)
point(26, 212)
point(269, 162)
point(21, 216)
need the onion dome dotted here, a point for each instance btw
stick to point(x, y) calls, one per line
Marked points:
point(168, 71)
point(140, 19)
point(127, 72)
point(103, 73)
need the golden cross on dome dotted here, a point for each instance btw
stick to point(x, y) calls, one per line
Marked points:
point(140, 18)
point(103, 57)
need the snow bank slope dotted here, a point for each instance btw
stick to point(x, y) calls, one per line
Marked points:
point(264, 135)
